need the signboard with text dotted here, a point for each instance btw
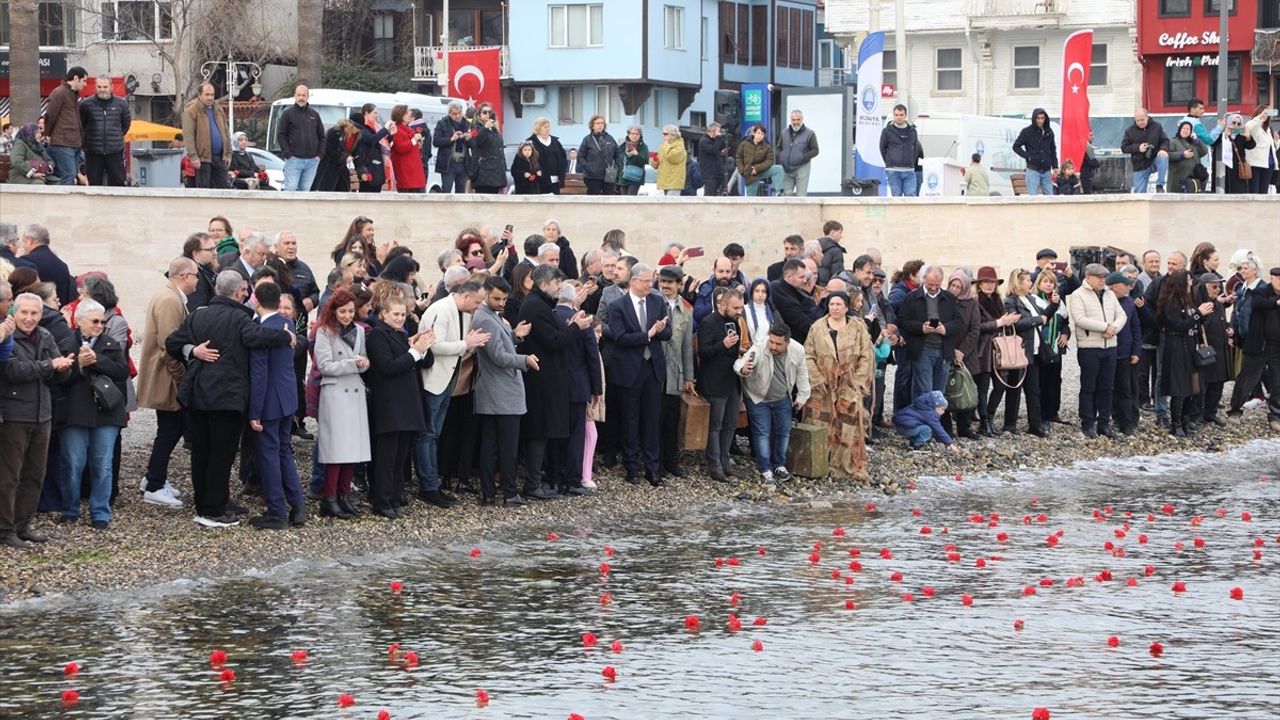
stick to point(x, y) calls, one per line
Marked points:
point(53, 66)
point(756, 107)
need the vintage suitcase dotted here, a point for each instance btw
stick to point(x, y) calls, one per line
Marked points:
point(807, 453)
point(695, 418)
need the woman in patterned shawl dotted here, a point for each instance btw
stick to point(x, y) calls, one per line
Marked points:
point(841, 365)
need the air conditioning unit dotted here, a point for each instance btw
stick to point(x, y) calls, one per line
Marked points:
point(533, 96)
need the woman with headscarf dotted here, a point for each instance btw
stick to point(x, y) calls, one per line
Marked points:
point(841, 365)
point(1240, 142)
point(758, 312)
point(1185, 151)
point(244, 171)
point(1179, 322)
point(967, 352)
point(29, 163)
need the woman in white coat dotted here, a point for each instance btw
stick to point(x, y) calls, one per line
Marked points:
point(343, 416)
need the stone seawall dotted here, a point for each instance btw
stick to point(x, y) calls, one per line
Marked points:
point(132, 233)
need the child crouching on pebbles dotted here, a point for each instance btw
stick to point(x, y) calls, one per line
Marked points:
point(920, 422)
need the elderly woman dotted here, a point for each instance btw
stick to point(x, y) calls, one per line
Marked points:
point(343, 416)
point(568, 261)
point(551, 155)
point(967, 350)
point(672, 157)
point(600, 159)
point(635, 157)
point(30, 164)
point(94, 411)
point(841, 365)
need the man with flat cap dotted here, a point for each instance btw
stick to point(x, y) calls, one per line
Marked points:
point(1096, 319)
point(1124, 402)
point(1067, 280)
point(678, 352)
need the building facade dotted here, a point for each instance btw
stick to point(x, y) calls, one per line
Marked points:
point(1178, 45)
point(998, 57)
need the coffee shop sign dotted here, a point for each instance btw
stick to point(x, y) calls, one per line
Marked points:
point(1181, 40)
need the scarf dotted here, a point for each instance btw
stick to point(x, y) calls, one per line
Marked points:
point(348, 335)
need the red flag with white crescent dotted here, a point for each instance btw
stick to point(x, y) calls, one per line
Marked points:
point(1077, 54)
point(475, 76)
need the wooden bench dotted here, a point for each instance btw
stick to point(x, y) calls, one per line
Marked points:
point(1019, 183)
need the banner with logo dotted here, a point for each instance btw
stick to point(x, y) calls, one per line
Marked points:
point(869, 164)
point(475, 76)
point(932, 180)
point(1077, 53)
point(757, 107)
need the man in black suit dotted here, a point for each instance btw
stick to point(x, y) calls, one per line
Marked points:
point(50, 267)
point(9, 240)
point(638, 325)
point(203, 251)
point(932, 325)
point(796, 307)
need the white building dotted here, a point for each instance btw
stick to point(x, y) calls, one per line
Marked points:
point(999, 57)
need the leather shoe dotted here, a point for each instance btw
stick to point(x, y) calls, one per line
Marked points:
point(235, 508)
point(579, 490)
point(658, 482)
point(14, 541)
point(436, 498)
point(298, 516)
point(391, 513)
point(677, 471)
point(1105, 431)
point(269, 522)
point(514, 501)
point(633, 478)
point(1038, 433)
point(32, 537)
point(300, 431)
point(1218, 421)
point(329, 507)
point(1088, 432)
point(346, 503)
point(719, 476)
point(541, 492)
point(731, 473)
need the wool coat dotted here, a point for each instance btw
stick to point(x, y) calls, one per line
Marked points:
point(343, 416)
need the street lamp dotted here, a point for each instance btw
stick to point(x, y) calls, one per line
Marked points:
point(233, 88)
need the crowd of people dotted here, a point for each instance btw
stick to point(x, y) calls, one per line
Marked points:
point(526, 365)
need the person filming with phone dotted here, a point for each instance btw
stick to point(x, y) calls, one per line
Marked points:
point(718, 346)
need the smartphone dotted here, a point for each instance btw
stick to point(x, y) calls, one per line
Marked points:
point(1059, 266)
point(694, 252)
point(933, 322)
point(508, 228)
point(1273, 112)
point(730, 328)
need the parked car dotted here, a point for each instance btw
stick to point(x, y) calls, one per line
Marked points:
point(272, 163)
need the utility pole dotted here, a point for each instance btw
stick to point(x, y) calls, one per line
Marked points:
point(1222, 90)
point(874, 18)
point(903, 62)
point(442, 67)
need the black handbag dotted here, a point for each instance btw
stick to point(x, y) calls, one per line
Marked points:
point(106, 395)
point(1206, 356)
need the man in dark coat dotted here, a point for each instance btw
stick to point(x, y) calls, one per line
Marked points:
point(718, 343)
point(712, 150)
point(202, 250)
point(546, 391)
point(792, 247)
point(932, 324)
point(1037, 145)
point(585, 385)
point(795, 306)
point(215, 391)
point(50, 267)
point(105, 120)
point(1128, 353)
point(638, 325)
point(451, 139)
point(301, 137)
point(1147, 144)
point(1147, 316)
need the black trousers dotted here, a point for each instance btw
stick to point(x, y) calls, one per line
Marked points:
point(1030, 388)
point(566, 454)
point(109, 166)
point(599, 187)
point(1124, 406)
point(1210, 396)
point(169, 427)
point(1253, 370)
point(713, 185)
point(300, 376)
point(983, 381)
point(391, 467)
point(212, 174)
point(457, 444)
point(669, 433)
point(249, 479)
point(215, 437)
point(535, 455)
point(499, 445)
point(611, 430)
point(642, 408)
point(1147, 375)
point(1050, 389)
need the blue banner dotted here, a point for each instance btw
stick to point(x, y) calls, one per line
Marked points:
point(757, 107)
point(869, 165)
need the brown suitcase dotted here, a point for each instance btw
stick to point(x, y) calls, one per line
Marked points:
point(807, 453)
point(695, 418)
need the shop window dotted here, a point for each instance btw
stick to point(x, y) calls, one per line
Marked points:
point(1179, 85)
point(1175, 8)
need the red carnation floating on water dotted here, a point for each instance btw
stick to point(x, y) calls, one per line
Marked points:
point(848, 580)
point(855, 566)
point(1132, 582)
point(299, 656)
point(953, 557)
point(762, 551)
point(609, 673)
point(383, 714)
point(871, 507)
point(1018, 624)
point(1113, 641)
point(576, 716)
point(886, 554)
point(908, 597)
point(70, 669)
point(1002, 537)
point(855, 552)
point(835, 574)
point(959, 477)
point(915, 512)
point(392, 650)
point(1198, 542)
point(734, 562)
point(1108, 546)
point(1052, 541)
point(926, 530)
point(475, 552)
point(70, 698)
point(757, 645)
point(850, 605)
point(691, 622)
point(760, 622)
point(839, 532)
point(396, 586)
point(896, 577)
point(608, 550)
point(733, 624)
point(1179, 586)
point(814, 557)
point(1149, 570)
point(1040, 714)
point(1237, 593)
point(1075, 581)
point(1167, 508)
point(1246, 516)
point(482, 698)
point(1142, 539)
point(227, 675)
point(1042, 518)
point(1029, 590)
point(980, 563)
point(589, 639)
point(552, 536)
point(966, 600)
point(606, 598)
point(605, 569)
point(1156, 649)
point(218, 657)
point(616, 646)
point(410, 659)
point(719, 562)
point(346, 701)
point(734, 599)
point(928, 591)
point(1259, 542)
point(1046, 582)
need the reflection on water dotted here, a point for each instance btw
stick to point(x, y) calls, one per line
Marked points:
point(509, 621)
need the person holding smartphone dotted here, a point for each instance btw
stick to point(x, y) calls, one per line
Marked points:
point(719, 343)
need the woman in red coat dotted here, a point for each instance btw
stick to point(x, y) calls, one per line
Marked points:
point(406, 157)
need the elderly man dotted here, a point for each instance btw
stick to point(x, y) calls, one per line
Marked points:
point(204, 128)
point(304, 280)
point(34, 248)
point(1096, 318)
point(638, 326)
point(582, 359)
point(549, 254)
point(215, 391)
point(253, 255)
point(158, 377)
point(932, 325)
point(105, 119)
point(10, 240)
point(28, 418)
point(300, 133)
point(1146, 144)
point(451, 137)
point(678, 350)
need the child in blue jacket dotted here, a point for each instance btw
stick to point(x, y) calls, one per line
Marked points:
point(920, 422)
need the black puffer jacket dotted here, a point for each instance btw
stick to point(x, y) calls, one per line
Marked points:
point(1037, 145)
point(104, 123)
point(229, 328)
point(301, 133)
point(1153, 134)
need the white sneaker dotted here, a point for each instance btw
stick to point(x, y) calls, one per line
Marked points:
point(767, 477)
point(1254, 404)
point(222, 522)
point(142, 486)
point(781, 473)
point(162, 497)
point(589, 484)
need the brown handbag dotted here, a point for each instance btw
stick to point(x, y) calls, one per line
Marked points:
point(1243, 170)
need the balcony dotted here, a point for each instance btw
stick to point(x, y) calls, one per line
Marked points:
point(1015, 14)
point(835, 77)
point(1266, 48)
point(427, 57)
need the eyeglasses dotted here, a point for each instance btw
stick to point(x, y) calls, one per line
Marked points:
point(363, 219)
point(96, 322)
point(209, 249)
point(188, 274)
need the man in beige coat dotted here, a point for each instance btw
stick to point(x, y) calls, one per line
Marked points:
point(1097, 317)
point(158, 377)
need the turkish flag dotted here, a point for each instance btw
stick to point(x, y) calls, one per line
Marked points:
point(1077, 54)
point(475, 76)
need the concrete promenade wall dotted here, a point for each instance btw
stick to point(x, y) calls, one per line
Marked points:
point(132, 233)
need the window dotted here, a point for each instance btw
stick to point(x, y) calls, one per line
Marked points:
point(1026, 67)
point(1235, 72)
point(673, 27)
point(1213, 7)
point(1098, 66)
point(698, 118)
point(1175, 8)
point(136, 20)
point(760, 36)
point(475, 27)
point(890, 68)
point(743, 42)
point(728, 33)
point(570, 105)
point(609, 104)
point(949, 75)
point(1179, 85)
point(705, 38)
point(57, 22)
point(384, 39)
point(574, 26)
point(794, 29)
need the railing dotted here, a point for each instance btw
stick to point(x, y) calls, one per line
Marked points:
point(426, 57)
point(1015, 8)
point(834, 77)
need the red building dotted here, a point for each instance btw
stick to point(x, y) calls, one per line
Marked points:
point(1178, 46)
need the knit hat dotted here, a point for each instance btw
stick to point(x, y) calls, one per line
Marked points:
point(939, 400)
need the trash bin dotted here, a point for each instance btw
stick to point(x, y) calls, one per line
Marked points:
point(855, 187)
point(160, 167)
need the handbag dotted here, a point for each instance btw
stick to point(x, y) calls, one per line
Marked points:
point(1008, 354)
point(962, 391)
point(611, 169)
point(633, 174)
point(1235, 362)
point(1243, 170)
point(105, 393)
point(1206, 356)
point(41, 167)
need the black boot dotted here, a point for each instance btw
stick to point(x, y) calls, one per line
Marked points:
point(989, 428)
point(348, 505)
point(329, 507)
point(1176, 426)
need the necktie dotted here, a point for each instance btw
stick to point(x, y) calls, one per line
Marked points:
point(644, 323)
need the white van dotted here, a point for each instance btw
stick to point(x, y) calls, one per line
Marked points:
point(333, 105)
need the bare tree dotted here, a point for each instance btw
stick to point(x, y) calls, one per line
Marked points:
point(310, 41)
point(24, 61)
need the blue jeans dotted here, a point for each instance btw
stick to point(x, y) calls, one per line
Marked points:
point(902, 183)
point(1142, 177)
point(1097, 386)
point(928, 372)
point(773, 175)
point(300, 173)
point(425, 444)
point(770, 432)
point(66, 163)
point(919, 436)
point(1039, 183)
point(453, 180)
point(94, 447)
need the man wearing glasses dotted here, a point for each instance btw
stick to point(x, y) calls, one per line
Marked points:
point(203, 251)
point(158, 375)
